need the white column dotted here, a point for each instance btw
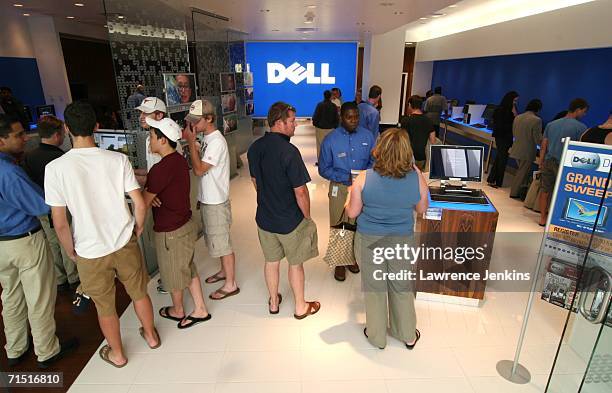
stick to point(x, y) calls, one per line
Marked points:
point(50, 60)
point(386, 63)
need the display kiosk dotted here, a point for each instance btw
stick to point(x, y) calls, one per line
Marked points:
point(457, 216)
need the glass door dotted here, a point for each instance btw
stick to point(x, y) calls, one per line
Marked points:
point(583, 362)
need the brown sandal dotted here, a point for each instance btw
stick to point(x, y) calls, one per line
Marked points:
point(141, 331)
point(214, 278)
point(105, 355)
point(313, 308)
point(223, 294)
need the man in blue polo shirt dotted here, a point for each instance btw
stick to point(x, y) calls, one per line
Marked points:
point(552, 148)
point(26, 269)
point(347, 148)
point(369, 116)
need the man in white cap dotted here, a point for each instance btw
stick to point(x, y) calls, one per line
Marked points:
point(155, 109)
point(213, 166)
point(175, 230)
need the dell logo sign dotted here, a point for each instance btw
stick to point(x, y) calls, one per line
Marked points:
point(296, 73)
point(585, 160)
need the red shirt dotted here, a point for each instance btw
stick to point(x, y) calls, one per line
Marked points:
point(169, 180)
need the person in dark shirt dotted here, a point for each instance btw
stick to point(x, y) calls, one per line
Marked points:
point(13, 107)
point(503, 118)
point(325, 119)
point(420, 130)
point(51, 132)
point(601, 134)
point(283, 208)
point(175, 231)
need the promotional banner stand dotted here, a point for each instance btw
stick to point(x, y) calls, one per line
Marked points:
point(512, 370)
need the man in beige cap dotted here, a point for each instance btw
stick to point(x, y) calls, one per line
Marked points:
point(175, 231)
point(212, 164)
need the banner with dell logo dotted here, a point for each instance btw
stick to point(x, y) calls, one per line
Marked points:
point(299, 72)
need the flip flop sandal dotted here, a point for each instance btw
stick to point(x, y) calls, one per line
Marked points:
point(418, 336)
point(105, 353)
point(280, 300)
point(214, 278)
point(224, 294)
point(164, 312)
point(313, 308)
point(193, 321)
point(142, 334)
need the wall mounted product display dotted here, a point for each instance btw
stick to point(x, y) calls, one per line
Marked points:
point(250, 108)
point(579, 235)
point(248, 78)
point(230, 123)
point(299, 72)
point(228, 81)
point(180, 89)
point(248, 94)
point(228, 103)
point(45, 110)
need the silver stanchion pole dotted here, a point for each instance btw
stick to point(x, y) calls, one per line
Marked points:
point(512, 370)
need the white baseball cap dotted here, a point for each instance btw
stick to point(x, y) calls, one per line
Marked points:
point(152, 104)
point(168, 127)
point(198, 109)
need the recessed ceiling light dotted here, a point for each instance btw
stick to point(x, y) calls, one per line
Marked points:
point(264, 10)
point(436, 15)
point(423, 18)
point(105, 25)
point(17, 5)
point(311, 6)
point(453, 6)
point(79, 4)
point(387, 4)
point(398, 13)
point(26, 14)
point(70, 17)
point(120, 16)
point(308, 21)
point(409, 43)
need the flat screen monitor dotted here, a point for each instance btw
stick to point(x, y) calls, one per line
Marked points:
point(488, 112)
point(112, 141)
point(45, 110)
point(463, 163)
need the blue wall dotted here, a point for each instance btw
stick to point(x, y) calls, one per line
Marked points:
point(21, 75)
point(554, 77)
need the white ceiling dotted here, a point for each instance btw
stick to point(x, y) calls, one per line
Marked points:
point(333, 19)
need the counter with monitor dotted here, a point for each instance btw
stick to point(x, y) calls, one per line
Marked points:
point(458, 216)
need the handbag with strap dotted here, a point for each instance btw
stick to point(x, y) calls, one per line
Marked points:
point(340, 250)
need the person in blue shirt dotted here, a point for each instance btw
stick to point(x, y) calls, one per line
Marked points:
point(552, 148)
point(347, 148)
point(369, 116)
point(26, 268)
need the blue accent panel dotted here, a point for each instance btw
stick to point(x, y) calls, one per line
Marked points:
point(341, 58)
point(21, 75)
point(472, 207)
point(554, 77)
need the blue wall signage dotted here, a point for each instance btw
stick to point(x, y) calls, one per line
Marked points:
point(299, 72)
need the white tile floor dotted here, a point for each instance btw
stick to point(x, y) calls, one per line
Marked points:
point(244, 349)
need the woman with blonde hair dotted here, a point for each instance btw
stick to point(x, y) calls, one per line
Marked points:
point(384, 200)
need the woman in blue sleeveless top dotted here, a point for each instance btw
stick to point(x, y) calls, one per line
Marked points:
point(384, 200)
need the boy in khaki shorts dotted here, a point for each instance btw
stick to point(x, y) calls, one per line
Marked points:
point(92, 183)
point(175, 231)
point(212, 165)
point(283, 208)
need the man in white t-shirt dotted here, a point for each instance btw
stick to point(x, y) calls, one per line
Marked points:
point(212, 164)
point(92, 183)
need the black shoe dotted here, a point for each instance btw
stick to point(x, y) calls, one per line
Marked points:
point(340, 273)
point(12, 362)
point(65, 287)
point(418, 336)
point(66, 347)
point(353, 268)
